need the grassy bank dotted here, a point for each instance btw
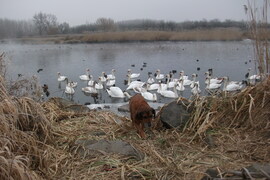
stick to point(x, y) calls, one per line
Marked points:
point(220, 34)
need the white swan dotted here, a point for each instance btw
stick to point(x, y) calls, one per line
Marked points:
point(211, 86)
point(170, 84)
point(91, 81)
point(147, 95)
point(86, 76)
point(212, 80)
point(116, 92)
point(72, 84)
point(151, 87)
point(90, 89)
point(110, 82)
point(133, 84)
point(186, 81)
point(159, 76)
point(180, 86)
point(133, 75)
point(61, 78)
point(169, 93)
point(196, 89)
point(231, 86)
point(161, 87)
point(99, 85)
point(69, 89)
point(111, 76)
point(252, 78)
point(102, 77)
point(194, 76)
point(150, 79)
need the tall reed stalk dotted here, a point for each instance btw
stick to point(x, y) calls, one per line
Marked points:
point(258, 25)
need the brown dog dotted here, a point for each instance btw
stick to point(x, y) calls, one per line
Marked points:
point(140, 113)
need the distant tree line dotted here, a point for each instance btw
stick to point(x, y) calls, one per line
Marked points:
point(47, 24)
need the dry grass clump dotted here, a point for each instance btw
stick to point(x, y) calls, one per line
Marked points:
point(248, 109)
point(221, 34)
point(24, 131)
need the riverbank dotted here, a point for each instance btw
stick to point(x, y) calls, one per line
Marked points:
point(218, 34)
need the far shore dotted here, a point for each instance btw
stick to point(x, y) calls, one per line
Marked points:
point(218, 34)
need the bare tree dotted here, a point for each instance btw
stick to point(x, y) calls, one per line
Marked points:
point(63, 28)
point(40, 22)
point(45, 23)
point(105, 24)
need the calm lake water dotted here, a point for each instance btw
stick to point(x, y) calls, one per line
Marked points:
point(226, 58)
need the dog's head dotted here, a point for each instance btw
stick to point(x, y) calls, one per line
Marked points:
point(146, 116)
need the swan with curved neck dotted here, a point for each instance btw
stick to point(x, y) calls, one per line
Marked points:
point(111, 76)
point(211, 86)
point(231, 86)
point(86, 76)
point(169, 93)
point(212, 80)
point(180, 86)
point(194, 76)
point(102, 77)
point(196, 89)
point(161, 87)
point(150, 79)
point(116, 92)
point(147, 95)
point(60, 77)
point(90, 89)
point(133, 75)
point(69, 89)
point(186, 81)
point(170, 83)
point(99, 85)
point(159, 76)
point(91, 81)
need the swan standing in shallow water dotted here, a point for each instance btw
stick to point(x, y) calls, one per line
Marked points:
point(86, 76)
point(116, 92)
point(61, 78)
point(69, 89)
point(102, 77)
point(90, 89)
point(133, 75)
point(72, 84)
point(99, 85)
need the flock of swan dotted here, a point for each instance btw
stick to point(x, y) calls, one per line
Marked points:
point(164, 84)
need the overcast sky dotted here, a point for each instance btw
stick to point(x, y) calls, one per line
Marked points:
point(76, 12)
